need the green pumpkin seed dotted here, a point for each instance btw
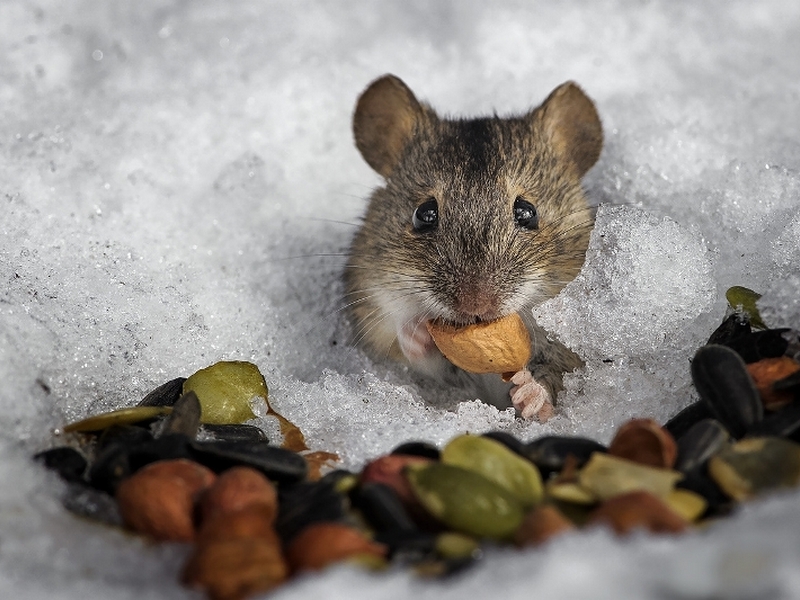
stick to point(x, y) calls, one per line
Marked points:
point(755, 465)
point(607, 476)
point(225, 390)
point(742, 298)
point(686, 504)
point(123, 416)
point(465, 500)
point(570, 492)
point(497, 463)
point(456, 545)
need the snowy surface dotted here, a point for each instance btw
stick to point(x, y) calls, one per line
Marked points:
point(178, 186)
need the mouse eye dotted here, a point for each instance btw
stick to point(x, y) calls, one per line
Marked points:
point(525, 214)
point(426, 216)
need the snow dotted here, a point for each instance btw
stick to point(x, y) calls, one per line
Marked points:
point(179, 186)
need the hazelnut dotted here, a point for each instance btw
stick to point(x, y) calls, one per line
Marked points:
point(634, 510)
point(502, 346)
point(158, 500)
point(237, 488)
point(321, 544)
point(231, 569)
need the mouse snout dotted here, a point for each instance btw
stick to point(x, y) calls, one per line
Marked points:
point(475, 302)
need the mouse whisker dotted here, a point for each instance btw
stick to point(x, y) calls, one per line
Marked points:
point(370, 321)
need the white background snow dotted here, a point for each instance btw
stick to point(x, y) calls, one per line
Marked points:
point(178, 186)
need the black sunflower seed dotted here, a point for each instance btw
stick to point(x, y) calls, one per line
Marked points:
point(278, 464)
point(550, 452)
point(687, 418)
point(166, 394)
point(382, 508)
point(68, 462)
point(721, 378)
point(425, 449)
point(701, 442)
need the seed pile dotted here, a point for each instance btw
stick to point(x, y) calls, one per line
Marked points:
point(181, 467)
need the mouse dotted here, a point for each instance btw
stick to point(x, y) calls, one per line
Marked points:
point(477, 218)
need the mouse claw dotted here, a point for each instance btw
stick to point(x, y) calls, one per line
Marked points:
point(530, 397)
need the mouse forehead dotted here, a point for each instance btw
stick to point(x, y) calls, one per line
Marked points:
point(472, 149)
point(477, 160)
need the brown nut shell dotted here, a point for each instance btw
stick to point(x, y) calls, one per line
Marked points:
point(644, 441)
point(502, 346)
point(158, 500)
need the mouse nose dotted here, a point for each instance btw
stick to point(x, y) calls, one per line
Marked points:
point(480, 304)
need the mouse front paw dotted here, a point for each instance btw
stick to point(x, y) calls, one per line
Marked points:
point(530, 397)
point(415, 341)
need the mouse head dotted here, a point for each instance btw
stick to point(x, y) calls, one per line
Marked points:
point(479, 217)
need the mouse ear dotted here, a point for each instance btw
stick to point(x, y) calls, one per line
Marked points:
point(572, 126)
point(384, 122)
